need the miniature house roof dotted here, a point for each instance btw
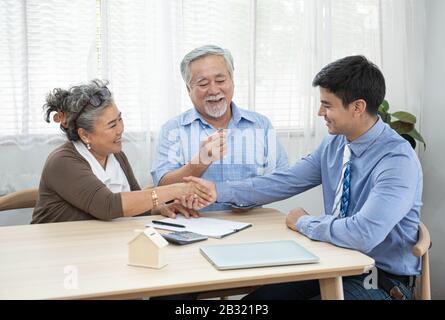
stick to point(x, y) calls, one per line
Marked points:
point(152, 235)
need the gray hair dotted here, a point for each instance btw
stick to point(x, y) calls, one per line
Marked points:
point(202, 52)
point(74, 104)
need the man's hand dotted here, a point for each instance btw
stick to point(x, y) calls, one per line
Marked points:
point(293, 216)
point(212, 149)
point(171, 210)
point(204, 193)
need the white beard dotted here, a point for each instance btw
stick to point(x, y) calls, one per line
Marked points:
point(216, 111)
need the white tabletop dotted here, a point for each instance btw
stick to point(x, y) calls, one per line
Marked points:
point(47, 261)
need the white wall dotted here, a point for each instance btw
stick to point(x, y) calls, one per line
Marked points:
point(433, 130)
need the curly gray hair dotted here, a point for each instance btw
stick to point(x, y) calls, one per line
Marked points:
point(75, 105)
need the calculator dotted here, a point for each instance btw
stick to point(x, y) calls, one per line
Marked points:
point(183, 237)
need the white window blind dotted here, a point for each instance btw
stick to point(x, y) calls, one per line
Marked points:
point(294, 39)
point(229, 26)
point(43, 45)
point(129, 35)
point(278, 47)
point(357, 24)
point(284, 63)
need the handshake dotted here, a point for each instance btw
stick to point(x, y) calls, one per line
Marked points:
point(194, 194)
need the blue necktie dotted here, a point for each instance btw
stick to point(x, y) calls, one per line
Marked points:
point(345, 195)
point(341, 200)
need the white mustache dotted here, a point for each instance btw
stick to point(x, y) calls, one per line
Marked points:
point(214, 98)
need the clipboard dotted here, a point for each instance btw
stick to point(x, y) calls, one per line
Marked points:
point(210, 227)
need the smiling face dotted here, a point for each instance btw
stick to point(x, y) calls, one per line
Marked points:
point(107, 134)
point(211, 87)
point(340, 120)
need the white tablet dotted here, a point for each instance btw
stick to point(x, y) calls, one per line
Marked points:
point(257, 254)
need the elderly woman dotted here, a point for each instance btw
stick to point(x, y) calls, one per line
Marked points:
point(89, 177)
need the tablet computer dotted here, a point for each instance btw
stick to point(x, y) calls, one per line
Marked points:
point(257, 254)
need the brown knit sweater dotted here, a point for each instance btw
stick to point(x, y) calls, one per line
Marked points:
point(70, 191)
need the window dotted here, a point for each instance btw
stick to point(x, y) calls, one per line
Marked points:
point(278, 47)
point(42, 45)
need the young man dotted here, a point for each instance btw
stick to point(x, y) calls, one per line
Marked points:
point(371, 180)
point(237, 143)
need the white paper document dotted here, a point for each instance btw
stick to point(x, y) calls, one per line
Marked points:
point(211, 227)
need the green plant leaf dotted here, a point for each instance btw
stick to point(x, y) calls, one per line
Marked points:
point(410, 139)
point(416, 135)
point(404, 116)
point(386, 117)
point(405, 126)
point(384, 107)
point(401, 127)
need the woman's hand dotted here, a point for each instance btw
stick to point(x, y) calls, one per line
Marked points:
point(171, 210)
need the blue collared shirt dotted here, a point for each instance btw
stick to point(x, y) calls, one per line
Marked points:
point(385, 196)
point(253, 148)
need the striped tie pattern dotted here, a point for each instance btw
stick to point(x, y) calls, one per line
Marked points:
point(345, 195)
point(341, 201)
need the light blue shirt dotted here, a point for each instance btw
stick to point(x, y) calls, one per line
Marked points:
point(253, 148)
point(385, 196)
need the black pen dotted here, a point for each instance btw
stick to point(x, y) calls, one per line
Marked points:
point(168, 224)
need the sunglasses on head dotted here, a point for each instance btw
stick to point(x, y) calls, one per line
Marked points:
point(96, 100)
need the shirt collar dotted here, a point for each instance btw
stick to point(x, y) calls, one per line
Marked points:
point(362, 143)
point(112, 176)
point(237, 114)
point(97, 169)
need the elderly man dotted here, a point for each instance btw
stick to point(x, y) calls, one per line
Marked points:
point(216, 139)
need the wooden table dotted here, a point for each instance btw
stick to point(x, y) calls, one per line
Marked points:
point(44, 261)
